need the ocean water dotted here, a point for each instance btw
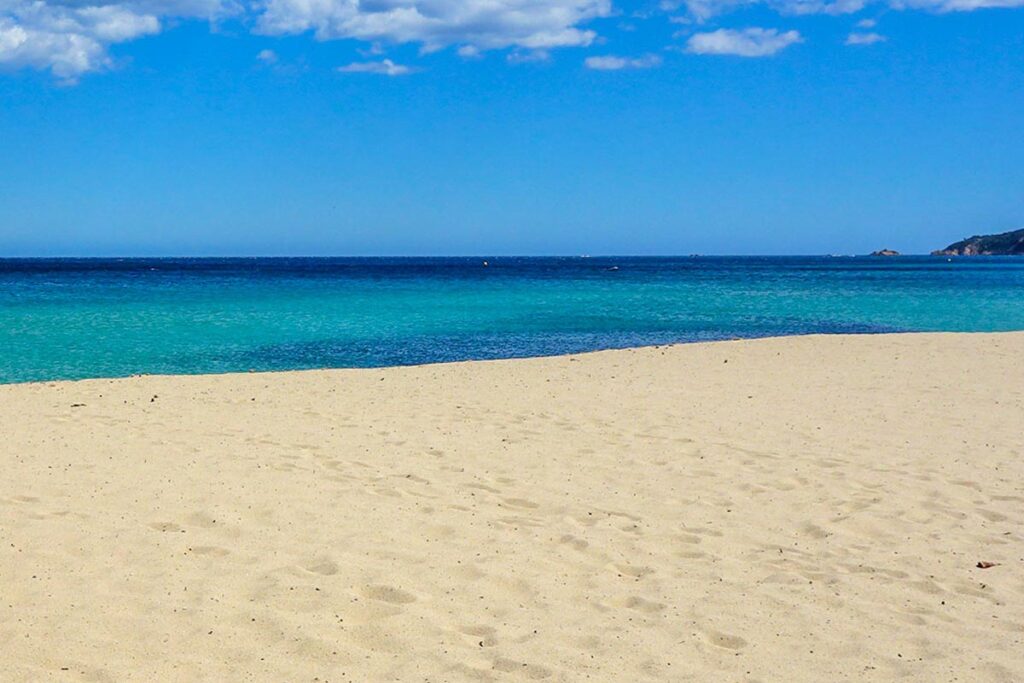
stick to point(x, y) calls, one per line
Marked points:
point(77, 318)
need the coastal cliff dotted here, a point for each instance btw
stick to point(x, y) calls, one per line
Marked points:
point(1003, 244)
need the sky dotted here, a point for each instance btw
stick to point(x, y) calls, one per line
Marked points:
point(437, 127)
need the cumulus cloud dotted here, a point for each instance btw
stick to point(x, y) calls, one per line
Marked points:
point(615, 63)
point(748, 42)
point(384, 67)
point(480, 24)
point(864, 38)
point(71, 37)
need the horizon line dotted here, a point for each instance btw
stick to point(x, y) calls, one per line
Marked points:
point(453, 256)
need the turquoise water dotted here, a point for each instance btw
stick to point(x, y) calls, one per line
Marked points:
point(68, 319)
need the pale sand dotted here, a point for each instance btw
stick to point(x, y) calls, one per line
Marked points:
point(803, 509)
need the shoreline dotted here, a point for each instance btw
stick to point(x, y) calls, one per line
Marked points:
point(796, 508)
point(672, 345)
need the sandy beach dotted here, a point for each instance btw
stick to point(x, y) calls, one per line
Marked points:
point(798, 509)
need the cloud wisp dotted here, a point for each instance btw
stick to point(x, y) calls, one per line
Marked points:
point(616, 63)
point(747, 42)
point(384, 67)
point(864, 38)
point(701, 11)
point(943, 6)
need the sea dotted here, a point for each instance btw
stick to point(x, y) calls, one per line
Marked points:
point(82, 318)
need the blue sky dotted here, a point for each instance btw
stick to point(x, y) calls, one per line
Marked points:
point(507, 126)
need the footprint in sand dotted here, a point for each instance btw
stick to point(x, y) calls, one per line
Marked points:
point(576, 543)
point(322, 565)
point(814, 531)
point(641, 605)
point(166, 527)
point(531, 671)
point(517, 522)
point(724, 640)
point(627, 570)
point(482, 487)
point(483, 636)
point(389, 594)
point(520, 503)
point(202, 520)
point(992, 516)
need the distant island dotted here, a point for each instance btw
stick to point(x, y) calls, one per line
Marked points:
point(1005, 244)
point(885, 252)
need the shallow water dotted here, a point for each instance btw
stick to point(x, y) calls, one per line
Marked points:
point(75, 318)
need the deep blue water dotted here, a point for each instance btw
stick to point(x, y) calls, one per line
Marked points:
point(75, 318)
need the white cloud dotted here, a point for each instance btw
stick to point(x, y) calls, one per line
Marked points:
point(955, 5)
point(384, 67)
point(482, 24)
point(615, 63)
point(374, 50)
point(803, 7)
point(748, 42)
point(864, 38)
point(701, 11)
point(528, 56)
point(71, 37)
point(267, 56)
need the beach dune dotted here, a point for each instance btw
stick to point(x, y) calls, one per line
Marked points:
point(798, 509)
